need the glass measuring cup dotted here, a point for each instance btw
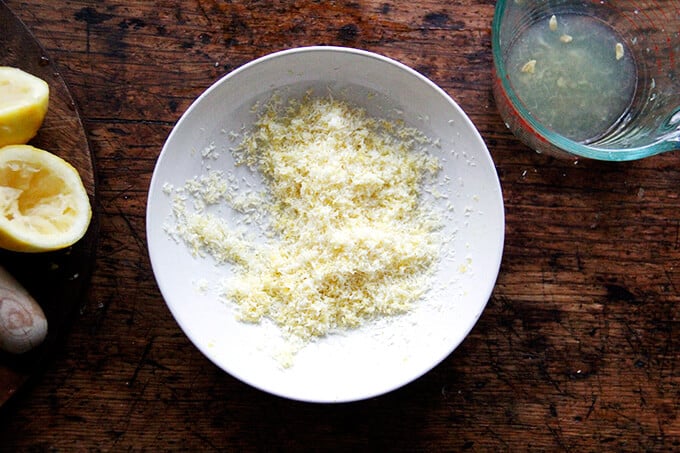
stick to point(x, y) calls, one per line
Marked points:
point(647, 31)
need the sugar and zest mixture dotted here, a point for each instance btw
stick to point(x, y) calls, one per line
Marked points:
point(349, 238)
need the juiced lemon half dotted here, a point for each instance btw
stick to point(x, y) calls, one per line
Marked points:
point(24, 99)
point(43, 203)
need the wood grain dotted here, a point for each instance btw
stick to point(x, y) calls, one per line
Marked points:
point(577, 349)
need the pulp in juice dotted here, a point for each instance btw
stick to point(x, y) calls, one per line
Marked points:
point(573, 74)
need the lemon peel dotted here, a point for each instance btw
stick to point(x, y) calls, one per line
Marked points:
point(24, 100)
point(43, 203)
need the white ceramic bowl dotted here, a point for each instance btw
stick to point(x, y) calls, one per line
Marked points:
point(380, 356)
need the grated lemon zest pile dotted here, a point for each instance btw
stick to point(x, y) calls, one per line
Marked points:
point(348, 236)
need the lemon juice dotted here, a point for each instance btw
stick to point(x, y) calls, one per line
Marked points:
point(573, 74)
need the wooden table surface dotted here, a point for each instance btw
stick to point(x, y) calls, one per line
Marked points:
point(578, 348)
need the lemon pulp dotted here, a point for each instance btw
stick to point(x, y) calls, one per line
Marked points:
point(43, 203)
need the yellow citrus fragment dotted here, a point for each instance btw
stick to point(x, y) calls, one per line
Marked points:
point(43, 203)
point(619, 50)
point(23, 104)
point(529, 67)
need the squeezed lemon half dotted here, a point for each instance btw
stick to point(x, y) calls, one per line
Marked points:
point(24, 99)
point(43, 203)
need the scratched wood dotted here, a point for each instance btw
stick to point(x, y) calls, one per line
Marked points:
point(578, 348)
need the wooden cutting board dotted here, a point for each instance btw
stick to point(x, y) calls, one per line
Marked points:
point(57, 280)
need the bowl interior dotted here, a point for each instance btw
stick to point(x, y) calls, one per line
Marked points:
point(381, 355)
